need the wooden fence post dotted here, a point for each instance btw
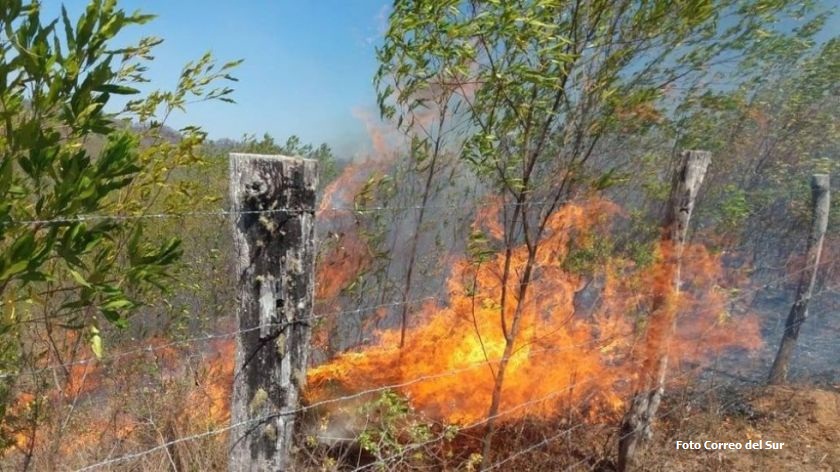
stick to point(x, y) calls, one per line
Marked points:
point(821, 201)
point(272, 202)
point(636, 424)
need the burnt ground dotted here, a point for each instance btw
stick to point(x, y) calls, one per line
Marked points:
point(817, 357)
point(732, 402)
point(816, 360)
point(805, 418)
point(727, 402)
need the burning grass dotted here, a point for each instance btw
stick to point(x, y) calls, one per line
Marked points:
point(568, 365)
point(448, 366)
point(106, 409)
point(401, 438)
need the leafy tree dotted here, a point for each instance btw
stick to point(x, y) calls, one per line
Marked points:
point(328, 166)
point(67, 163)
point(774, 131)
point(543, 86)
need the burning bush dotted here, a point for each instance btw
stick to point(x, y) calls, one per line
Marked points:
point(448, 366)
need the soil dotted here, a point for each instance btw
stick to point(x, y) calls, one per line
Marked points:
point(806, 419)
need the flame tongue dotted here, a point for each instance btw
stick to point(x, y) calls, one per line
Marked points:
point(449, 364)
point(451, 358)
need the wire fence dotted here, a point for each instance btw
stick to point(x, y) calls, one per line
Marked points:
point(442, 436)
point(227, 213)
point(149, 348)
point(533, 354)
point(563, 432)
point(224, 212)
point(229, 334)
point(559, 434)
point(330, 401)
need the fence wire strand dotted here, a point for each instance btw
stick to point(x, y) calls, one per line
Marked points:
point(403, 384)
point(321, 403)
point(366, 392)
point(210, 337)
point(204, 338)
point(285, 210)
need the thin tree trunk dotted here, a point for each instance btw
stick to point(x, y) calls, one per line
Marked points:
point(821, 200)
point(636, 425)
point(273, 203)
point(415, 240)
point(510, 341)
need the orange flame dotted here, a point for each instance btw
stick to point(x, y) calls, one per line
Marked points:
point(560, 358)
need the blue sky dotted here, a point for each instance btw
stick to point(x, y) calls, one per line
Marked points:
point(308, 66)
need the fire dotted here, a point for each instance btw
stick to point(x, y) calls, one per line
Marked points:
point(107, 414)
point(383, 137)
point(343, 252)
point(561, 359)
point(210, 400)
point(346, 187)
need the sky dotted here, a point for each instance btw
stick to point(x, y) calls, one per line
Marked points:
point(308, 65)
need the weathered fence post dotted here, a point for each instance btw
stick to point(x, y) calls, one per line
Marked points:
point(272, 202)
point(821, 201)
point(637, 422)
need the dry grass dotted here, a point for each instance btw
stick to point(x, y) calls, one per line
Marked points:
point(167, 402)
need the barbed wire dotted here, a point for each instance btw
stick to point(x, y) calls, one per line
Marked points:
point(354, 396)
point(473, 425)
point(560, 434)
point(781, 279)
point(348, 397)
point(231, 212)
point(84, 218)
point(481, 422)
point(623, 436)
point(209, 337)
point(380, 389)
point(285, 210)
point(151, 348)
point(565, 432)
point(550, 395)
point(536, 446)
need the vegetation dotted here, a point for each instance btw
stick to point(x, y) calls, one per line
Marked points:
point(536, 141)
point(70, 271)
point(545, 87)
point(328, 166)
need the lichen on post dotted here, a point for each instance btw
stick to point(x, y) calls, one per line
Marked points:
point(273, 213)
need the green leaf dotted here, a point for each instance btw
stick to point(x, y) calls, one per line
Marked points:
point(95, 342)
point(117, 304)
point(79, 278)
point(116, 89)
point(14, 269)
